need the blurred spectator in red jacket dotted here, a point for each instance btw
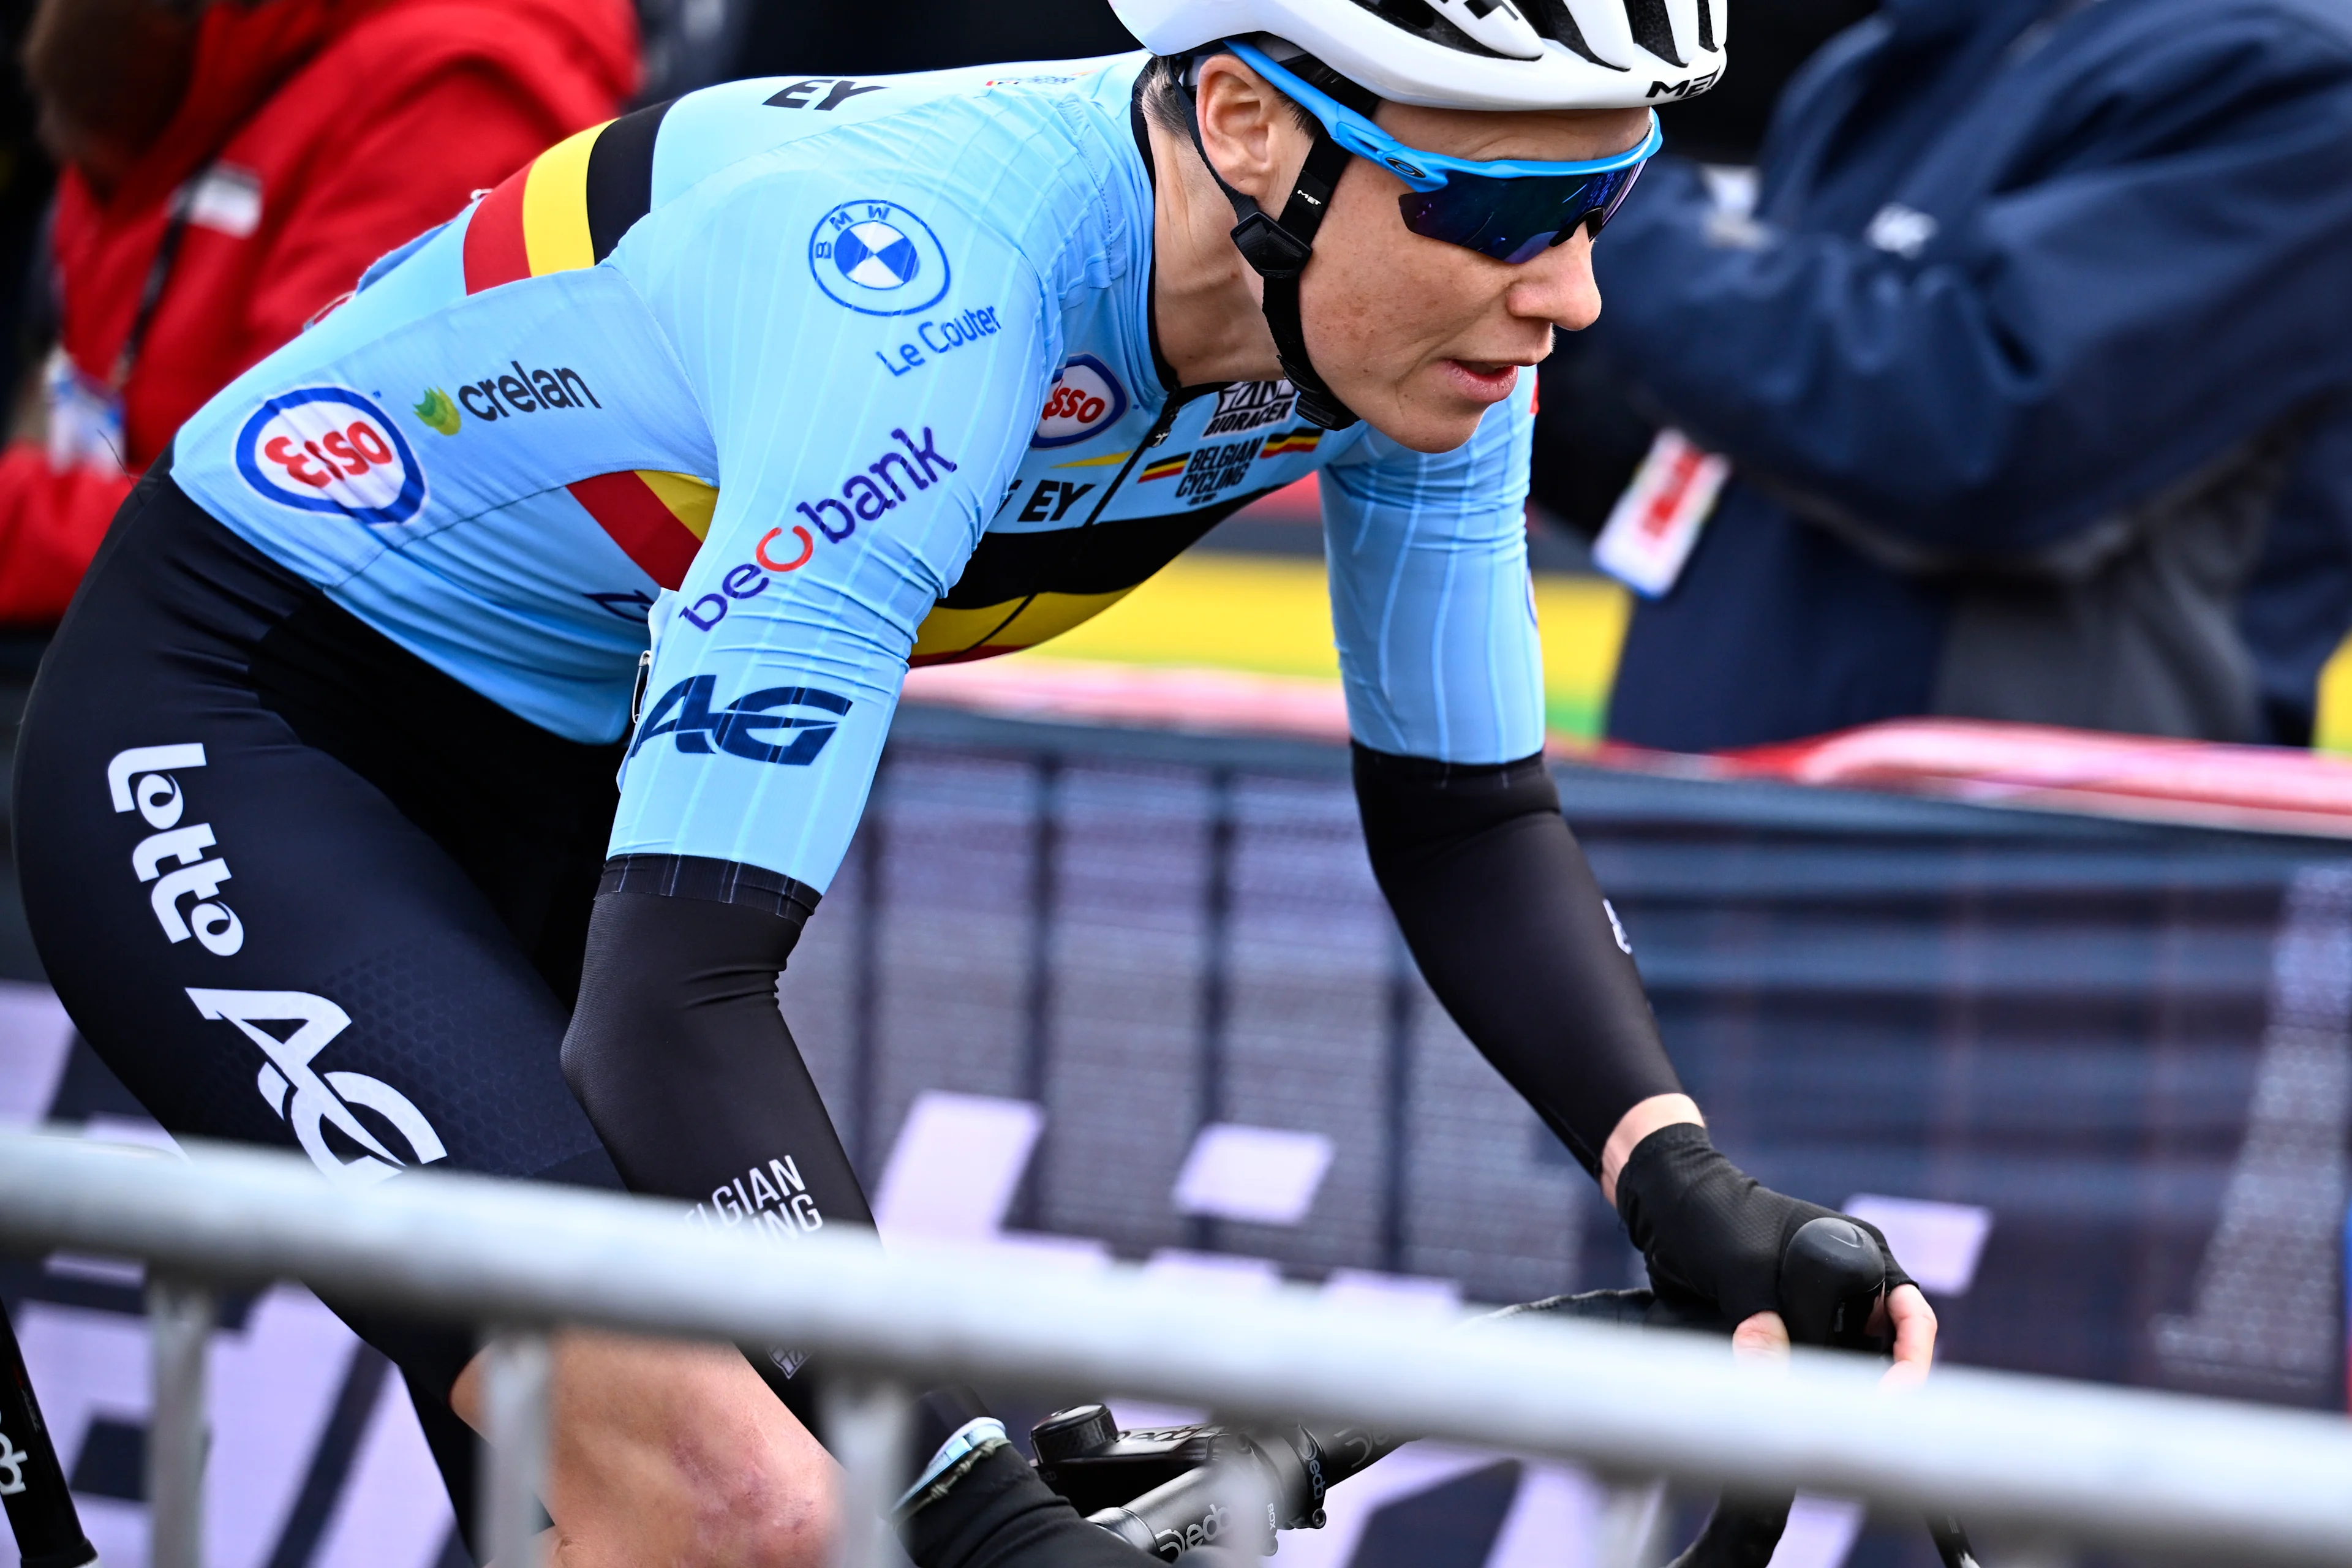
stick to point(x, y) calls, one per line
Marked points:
point(231, 166)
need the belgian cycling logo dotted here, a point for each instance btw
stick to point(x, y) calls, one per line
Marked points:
point(740, 729)
point(878, 258)
point(329, 449)
point(1085, 399)
point(311, 1102)
point(1215, 470)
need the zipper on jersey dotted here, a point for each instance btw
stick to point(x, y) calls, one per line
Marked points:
point(1156, 435)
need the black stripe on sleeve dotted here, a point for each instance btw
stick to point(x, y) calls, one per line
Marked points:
point(621, 175)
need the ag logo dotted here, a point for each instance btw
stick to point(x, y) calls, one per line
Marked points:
point(1086, 399)
point(877, 258)
point(313, 1101)
point(751, 727)
point(329, 449)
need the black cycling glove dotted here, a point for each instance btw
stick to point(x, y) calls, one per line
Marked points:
point(1712, 1234)
point(990, 1510)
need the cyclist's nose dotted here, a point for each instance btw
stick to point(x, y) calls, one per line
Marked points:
point(1558, 286)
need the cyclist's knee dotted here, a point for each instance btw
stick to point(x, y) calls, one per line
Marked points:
point(676, 1454)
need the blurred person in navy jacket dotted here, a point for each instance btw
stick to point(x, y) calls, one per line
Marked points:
point(2034, 366)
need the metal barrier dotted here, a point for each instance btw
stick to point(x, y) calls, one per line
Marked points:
point(2090, 1463)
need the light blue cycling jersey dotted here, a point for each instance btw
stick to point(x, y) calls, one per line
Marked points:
point(803, 379)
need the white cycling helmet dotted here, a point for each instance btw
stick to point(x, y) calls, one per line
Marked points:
point(1471, 54)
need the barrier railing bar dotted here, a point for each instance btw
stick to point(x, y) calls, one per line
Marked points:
point(2127, 1466)
point(865, 1427)
point(517, 1364)
point(180, 1317)
point(1632, 1521)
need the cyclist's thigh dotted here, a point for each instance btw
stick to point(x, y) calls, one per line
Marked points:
point(248, 932)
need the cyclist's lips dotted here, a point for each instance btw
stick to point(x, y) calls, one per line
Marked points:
point(1484, 381)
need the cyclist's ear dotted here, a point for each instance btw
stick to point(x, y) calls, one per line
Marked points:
point(1247, 131)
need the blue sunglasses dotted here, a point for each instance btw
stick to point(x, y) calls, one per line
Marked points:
point(1510, 211)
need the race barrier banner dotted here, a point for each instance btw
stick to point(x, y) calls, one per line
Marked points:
point(1088, 993)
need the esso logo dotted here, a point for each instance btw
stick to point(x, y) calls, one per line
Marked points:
point(1086, 400)
point(329, 449)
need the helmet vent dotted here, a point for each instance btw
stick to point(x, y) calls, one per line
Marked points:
point(1496, 24)
point(1555, 21)
point(1705, 27)
point(1653, 29)
point(1422, 21)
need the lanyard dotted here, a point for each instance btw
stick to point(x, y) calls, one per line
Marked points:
point(159, 274)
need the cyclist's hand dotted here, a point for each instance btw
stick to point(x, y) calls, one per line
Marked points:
point(1914, 1323)
point(1906, 1313)
point(1714, 1239)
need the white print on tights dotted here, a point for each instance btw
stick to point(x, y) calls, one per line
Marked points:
point(11, 1467)
point(142, 776)
point(1617, 928)
point(319, 1099)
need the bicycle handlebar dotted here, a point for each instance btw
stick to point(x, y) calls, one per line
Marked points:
point(1169, 1491)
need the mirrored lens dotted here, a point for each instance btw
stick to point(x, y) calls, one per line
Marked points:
point(1513, 220)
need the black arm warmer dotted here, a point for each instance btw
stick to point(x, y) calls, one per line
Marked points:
point(1503, 916)
point(682, 1061)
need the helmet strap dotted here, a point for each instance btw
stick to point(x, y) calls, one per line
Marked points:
point(1278, 250)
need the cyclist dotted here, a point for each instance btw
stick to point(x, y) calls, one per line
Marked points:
point(774, 389)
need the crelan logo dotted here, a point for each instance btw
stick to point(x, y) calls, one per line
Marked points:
point(438, 411)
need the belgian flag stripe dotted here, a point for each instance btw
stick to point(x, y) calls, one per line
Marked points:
point(620, 188)
point(566, 209)
point(649, 532)
point(494, 248)
point(555, 206)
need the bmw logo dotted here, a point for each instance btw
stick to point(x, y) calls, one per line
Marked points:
point(877, 258)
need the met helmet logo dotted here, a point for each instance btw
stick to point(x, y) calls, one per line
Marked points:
point(744, 727)
point(1682, 88)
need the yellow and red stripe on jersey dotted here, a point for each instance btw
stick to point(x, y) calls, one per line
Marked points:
point(1020, 589)
point(1290, 442)
point(1165, 469)
point(566, 209)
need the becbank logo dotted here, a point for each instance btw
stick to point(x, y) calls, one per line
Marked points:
point(330, 450)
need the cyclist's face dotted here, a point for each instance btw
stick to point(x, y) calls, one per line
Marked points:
point(1422, 337)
